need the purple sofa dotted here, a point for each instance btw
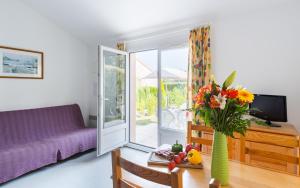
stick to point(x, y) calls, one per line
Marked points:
point(30, 139)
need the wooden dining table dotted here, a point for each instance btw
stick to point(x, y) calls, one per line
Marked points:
point(241, 175)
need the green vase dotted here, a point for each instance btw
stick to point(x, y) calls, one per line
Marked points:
point(219, 163)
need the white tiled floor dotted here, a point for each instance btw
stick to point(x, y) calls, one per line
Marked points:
point(85, 171)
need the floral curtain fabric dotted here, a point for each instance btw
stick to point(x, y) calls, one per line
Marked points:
point(199, 70)
point(121, 46)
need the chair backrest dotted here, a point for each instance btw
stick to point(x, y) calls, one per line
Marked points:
point(173, 179)
point(205, 141)
point(292, 142)
point(198, 140)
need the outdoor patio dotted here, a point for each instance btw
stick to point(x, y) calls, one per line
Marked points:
point(147, 134)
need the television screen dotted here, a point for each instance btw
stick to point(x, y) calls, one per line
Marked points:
point(269, 107)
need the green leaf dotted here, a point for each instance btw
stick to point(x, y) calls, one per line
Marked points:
point(229, 80)
point(207, 116)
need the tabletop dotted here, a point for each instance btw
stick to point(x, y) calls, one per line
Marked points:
point(241, 175)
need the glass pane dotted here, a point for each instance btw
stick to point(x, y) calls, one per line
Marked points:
point(114, 88)
point(174, 64)
point(143, 95)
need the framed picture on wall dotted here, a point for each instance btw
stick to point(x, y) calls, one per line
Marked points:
point(21, 63)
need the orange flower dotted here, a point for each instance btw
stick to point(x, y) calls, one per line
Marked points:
point(214, 103)
point(199, 98)
point(205, 89)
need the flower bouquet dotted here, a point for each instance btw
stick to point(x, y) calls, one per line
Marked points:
point(223, 108)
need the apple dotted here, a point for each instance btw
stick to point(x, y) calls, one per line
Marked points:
point(177, 159)
point(171, 165)
point(188, 148)
point(197, 147)
point(192, 146)
point(182, 155)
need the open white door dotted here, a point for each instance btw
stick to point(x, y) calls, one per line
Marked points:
point(113, 99)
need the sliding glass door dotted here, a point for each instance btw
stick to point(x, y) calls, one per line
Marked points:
point(174, 88)
point(144, 98)
point(158, 86)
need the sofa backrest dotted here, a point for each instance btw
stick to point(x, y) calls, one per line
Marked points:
point(23, 126)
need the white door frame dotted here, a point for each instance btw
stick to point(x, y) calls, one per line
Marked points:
point(105, 134)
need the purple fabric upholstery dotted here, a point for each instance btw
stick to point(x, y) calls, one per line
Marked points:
point(30, 139)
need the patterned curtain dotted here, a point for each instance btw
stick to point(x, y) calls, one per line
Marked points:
point(199, 70)
point(121, 46)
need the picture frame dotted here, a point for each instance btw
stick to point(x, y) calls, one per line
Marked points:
point(21, 63)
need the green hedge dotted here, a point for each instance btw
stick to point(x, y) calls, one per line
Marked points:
point(173, 95)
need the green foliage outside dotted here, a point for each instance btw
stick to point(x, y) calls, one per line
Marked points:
point(147, 100)
point(177, 96)
point(173, 95)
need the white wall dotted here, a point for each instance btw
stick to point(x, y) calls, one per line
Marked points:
point(65, 61)
point(261, 45)
point(264, 49)
point(93, 78)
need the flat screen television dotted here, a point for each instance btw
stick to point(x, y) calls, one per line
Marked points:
point(269, 108)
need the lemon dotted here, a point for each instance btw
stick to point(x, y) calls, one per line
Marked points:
point(194, 157)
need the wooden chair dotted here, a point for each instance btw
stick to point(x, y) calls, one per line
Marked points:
point(174, 179)
point(198, 140)
point(291, 142)
point(205, 141)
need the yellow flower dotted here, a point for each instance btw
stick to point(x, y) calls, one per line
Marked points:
point(245, 96)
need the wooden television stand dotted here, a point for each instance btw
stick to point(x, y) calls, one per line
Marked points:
point(257, 133)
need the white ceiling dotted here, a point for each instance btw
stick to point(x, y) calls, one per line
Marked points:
point(95, 21)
